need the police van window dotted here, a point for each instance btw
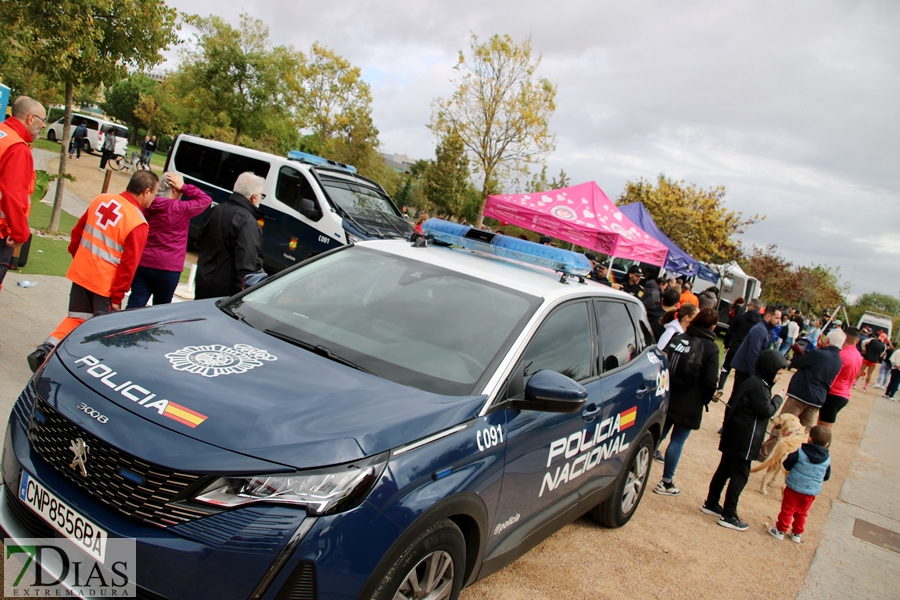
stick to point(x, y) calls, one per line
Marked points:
point(214, 166)
point(563, 344)
point(645, 333)
point(292, 187)
point(356, 199)
point(616, 335)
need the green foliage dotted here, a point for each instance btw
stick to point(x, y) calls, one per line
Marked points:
point(500, 110)
point(447, 178)
point(124, 99)
point(695, 219)
point(539, 182)
point(879, 303)
point(813, 288)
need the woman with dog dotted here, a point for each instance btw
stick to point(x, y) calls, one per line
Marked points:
point(691, 392)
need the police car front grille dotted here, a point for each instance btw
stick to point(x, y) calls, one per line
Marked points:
point(22, 407)
point(153, 500)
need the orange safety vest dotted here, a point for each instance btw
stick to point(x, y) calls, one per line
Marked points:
point(8, 139)
point(110, 218)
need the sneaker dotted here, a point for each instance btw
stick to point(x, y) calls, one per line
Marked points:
point(658, 457)
point(713, 509)
point(36, 359)
point(865, 386)
point(795, 537)
point(778, 535)
point(733, 523)
point(666, 489)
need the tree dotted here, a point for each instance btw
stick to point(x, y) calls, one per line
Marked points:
point(876, 302)
point(500, 110)
point(774, 272)
point(123, 101)
point(233, 83)
point(539, 183)
point(85, 42)
point(447, 178)
point(694, 218)
point(337, 111)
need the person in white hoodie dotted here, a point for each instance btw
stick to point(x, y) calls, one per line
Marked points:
point(677, 322)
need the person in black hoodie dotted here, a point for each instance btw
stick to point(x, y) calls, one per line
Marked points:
point(738, 328)
point(742, 436)
point(686, 402)
point(232, 240)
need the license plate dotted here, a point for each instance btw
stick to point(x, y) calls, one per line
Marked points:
point(86, 534)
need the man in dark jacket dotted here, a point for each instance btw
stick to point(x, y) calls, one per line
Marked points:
point(231, 244)
point(742, 436)
point(738, 328)
point(816, 370)
point(756, 341)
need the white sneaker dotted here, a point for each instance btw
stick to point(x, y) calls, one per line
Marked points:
point(778, 535)
point(795, 537)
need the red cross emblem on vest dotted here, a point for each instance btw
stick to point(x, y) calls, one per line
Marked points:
point(108, 214)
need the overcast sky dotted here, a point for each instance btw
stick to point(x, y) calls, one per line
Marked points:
point(793, 107)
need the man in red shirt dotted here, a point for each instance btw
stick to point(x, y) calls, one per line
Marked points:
point(17, 175)
point(106, 247)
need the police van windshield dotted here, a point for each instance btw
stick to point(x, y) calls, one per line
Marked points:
point(407, 321)
point(366, 204)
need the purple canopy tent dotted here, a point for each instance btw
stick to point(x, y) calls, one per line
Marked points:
point(581, 214)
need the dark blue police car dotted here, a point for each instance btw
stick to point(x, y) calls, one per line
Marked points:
point(386, 420)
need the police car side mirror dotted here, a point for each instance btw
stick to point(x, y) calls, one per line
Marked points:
point(309, 209)
point(549, 391)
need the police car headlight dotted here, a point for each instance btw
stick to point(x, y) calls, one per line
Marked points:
point(321, 493)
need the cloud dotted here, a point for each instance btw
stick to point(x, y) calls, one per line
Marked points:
point(791, 106)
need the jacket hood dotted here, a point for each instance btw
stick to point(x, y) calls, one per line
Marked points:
point(703, 332)
point(196, 371)
point(768, 364)
point(815, 454)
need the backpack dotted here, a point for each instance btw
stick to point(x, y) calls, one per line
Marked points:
point(685, 360)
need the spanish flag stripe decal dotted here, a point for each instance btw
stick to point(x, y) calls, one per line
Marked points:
point(184, 415)
point(627, 418)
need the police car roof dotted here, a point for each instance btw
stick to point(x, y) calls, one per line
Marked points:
point(530, 279)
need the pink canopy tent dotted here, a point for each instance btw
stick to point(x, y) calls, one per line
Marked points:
point(581, 214)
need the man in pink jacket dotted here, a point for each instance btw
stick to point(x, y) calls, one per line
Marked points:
point(162, 262)
point(839, 393)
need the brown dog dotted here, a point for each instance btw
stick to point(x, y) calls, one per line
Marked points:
point(791, 435)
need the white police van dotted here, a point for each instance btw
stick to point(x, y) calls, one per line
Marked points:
point(311, 204)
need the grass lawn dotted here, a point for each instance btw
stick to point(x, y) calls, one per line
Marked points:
point(48, 256)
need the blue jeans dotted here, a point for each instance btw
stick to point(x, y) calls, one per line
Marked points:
point(786, 345)
point(884, 375)
point(152, 282)
point(673, 451)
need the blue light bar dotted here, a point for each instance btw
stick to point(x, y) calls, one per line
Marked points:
point(564, 261)
point(312, 159)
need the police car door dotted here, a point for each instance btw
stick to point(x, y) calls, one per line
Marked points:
point(547, 453)
point(626, 388)
point(290, 236)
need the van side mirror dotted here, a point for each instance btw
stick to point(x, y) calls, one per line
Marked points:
point(309, 209)
point(549, 391)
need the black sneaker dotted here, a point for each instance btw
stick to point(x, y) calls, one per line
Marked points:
point(711, 509)
point(733, 523)
point(36, 359)
point(666, 489)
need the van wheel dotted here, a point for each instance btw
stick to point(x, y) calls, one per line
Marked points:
point(86, 146)
point(430, 568)
point(51, 135)
point(619, 507)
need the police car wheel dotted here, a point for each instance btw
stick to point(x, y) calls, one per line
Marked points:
point(430, 568)
point(619, 507)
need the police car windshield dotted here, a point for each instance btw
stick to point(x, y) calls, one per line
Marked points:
point(407, 321)
point(365, 204)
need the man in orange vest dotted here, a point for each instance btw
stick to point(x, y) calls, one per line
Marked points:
point(687, 296)
point(17, 175)
point(106, 247)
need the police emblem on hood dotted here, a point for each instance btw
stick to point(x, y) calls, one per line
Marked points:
point(216, 359)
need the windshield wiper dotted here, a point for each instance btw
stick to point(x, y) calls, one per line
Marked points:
point(316, 349)
point(389, 218)
point(235, 315)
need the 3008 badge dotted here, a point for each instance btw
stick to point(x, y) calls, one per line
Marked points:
point(92, 412)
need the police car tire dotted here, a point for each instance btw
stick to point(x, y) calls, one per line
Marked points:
point(610, 513)
point(443, 536)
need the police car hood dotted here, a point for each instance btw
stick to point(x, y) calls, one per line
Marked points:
point(195, 370)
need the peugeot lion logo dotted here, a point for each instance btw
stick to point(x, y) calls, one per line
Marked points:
point(80, 449)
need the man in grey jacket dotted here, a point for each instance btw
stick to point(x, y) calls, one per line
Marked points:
point(231, 245)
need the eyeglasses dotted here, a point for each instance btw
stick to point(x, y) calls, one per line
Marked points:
point(43, 120)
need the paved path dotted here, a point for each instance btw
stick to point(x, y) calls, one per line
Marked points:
point(72, 204)
point(859, 554)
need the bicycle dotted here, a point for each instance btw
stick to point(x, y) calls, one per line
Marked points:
point(134, 163)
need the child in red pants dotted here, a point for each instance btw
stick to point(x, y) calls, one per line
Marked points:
point(807, 468)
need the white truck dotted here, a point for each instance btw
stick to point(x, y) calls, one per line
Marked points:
point(877, 322)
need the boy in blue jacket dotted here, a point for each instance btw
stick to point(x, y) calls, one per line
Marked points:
point(807, 468)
